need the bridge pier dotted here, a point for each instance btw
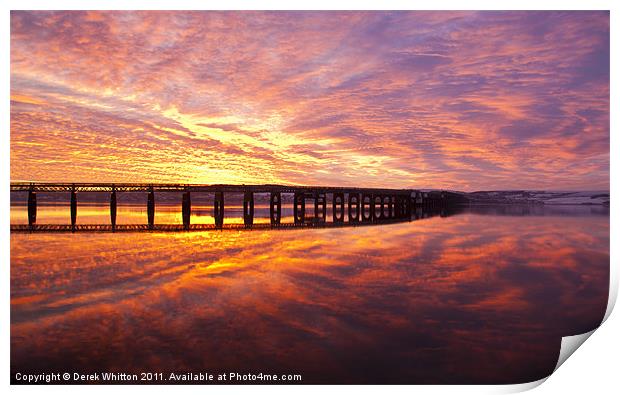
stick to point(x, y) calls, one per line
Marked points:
point(248, 209)
point(73, 208)
point(377, 214)
point(390, 206)
point(150, 207)
point(354, 207)
point(400, 206)
point(186, 209)
point(395, 199)
point(409, 206)
point(338, 207)
point(275, 208)
point(395, 203)
point(384, 207)
point(367, 201)
point(320, 206)
point(218, 209)
point(299, 207)
point(32, 207)
point(113, 209)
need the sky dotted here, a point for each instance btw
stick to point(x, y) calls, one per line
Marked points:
point(453, 100)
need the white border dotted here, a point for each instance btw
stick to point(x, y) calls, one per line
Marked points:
point(596, 364)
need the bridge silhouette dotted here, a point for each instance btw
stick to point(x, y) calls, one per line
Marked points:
point(364, 206)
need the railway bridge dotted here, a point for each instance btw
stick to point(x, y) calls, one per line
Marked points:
point(361, 205)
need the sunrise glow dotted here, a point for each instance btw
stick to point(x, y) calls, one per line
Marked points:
point(458, 100)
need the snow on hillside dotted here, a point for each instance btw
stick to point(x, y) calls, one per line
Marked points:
point(541, 197)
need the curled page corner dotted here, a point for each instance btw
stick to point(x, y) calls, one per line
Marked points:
point(572, 343)
point(613, 292)
point(569, 345)
point(567, 348)
point(516, 388)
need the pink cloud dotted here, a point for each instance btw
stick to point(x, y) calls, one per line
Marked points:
point(461, 100)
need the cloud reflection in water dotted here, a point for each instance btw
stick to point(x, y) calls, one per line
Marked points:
point(464, 299)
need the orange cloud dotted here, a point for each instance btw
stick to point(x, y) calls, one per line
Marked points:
point(459, 100)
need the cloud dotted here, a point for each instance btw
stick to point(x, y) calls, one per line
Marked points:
point(241, 97)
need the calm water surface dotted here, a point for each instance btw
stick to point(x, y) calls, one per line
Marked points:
point(483, 296)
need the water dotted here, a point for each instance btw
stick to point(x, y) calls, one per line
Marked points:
point(483, 296)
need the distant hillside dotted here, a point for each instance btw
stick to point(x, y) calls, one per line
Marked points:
point(539, 197)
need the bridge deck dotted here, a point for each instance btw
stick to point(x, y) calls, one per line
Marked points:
point(160, 187)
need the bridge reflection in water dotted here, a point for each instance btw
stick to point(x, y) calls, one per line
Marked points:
point(349, 206)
